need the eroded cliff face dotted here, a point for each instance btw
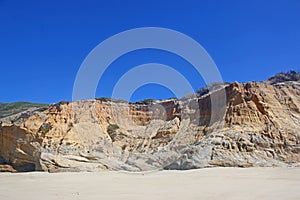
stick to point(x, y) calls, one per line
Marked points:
point(261, 127)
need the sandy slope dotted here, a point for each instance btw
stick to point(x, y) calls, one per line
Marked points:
point(215, 183)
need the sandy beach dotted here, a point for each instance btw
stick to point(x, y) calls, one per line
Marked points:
point(214, 183)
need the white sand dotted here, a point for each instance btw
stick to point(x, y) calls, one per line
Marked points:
point(216, 183)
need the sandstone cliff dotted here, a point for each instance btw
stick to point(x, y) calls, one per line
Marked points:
point(260, 127)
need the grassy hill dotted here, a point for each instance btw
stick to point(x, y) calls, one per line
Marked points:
point(7, 109)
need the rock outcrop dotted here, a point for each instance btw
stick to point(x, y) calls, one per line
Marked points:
point(260, 127)
point(284, 77)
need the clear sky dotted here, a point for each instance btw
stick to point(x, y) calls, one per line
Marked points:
point(43, 43)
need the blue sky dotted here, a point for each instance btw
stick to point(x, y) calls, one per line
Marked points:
point(43, 43)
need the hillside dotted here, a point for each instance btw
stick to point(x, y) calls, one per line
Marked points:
point(7, 109)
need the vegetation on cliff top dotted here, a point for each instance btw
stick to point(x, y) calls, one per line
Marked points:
point(7, 109)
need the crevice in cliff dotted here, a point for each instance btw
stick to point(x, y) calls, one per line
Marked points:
point(70, 125)
point(258, 104)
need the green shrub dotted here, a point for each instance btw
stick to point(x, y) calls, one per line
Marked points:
point(146, 101)
point(112, 128)
point(247, 98)
point(107, 99)
point(104, 99)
